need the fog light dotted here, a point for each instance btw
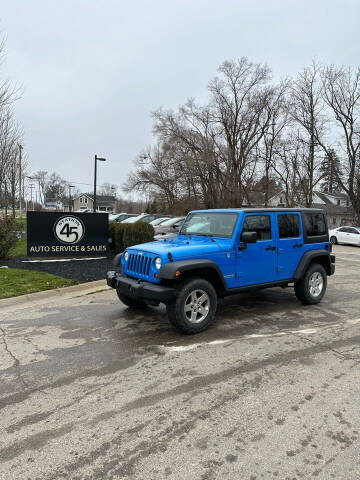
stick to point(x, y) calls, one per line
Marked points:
point(177, 273)
point(156, 275)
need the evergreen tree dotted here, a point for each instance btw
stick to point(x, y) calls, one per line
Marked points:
point(331, 172)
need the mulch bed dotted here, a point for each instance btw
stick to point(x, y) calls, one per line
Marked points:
point(82, 270)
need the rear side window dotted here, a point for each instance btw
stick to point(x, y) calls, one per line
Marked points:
point(314, 224)
point(260, 224)
point(289, 226)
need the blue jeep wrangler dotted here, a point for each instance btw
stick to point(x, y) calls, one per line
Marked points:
point(224, 252)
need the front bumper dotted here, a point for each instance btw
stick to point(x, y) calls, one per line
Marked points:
point(139, 289)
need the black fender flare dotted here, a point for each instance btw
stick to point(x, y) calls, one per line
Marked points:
point(168, 271)
point(117, 260)
point(310, 256)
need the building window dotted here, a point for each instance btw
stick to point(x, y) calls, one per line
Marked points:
point(338, 202)
point(81, 200)
point(334, 221)
point(85, 200)
point(289, 226)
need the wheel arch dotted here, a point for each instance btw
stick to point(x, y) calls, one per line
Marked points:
point(313, 256)
point(206, 269)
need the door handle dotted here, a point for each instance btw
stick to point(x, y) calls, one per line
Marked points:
point(297, 245)
point(270, 248)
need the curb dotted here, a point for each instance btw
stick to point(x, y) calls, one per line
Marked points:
point(48, 296)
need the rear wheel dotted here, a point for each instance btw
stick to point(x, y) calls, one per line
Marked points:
point(312, 287)
point(333, 240)
point(129, 301)
point(195, 306)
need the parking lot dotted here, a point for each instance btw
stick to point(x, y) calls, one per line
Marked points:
point(92, 390)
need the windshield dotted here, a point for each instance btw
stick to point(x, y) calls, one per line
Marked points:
point(170, 222)
point(132, 219)
point(210, 224)
point(157, 221)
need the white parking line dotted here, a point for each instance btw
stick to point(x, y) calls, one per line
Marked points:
point(186, 348)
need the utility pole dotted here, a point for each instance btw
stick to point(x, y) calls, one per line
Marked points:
point(70, 200)
point(31, 198)
point(20, 181)
point(95, 178)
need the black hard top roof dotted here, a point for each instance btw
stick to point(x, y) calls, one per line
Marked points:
point(259, 209)
point(282, 209)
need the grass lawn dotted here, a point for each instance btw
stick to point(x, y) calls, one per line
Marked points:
point(20, 249)
point(14, 282)
point(21, 223)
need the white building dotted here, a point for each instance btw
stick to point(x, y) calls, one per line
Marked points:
point(337, 206)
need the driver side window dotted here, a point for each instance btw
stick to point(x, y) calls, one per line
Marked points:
point(260, 224)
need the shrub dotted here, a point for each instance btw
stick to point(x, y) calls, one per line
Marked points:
point(136, 233)
point(112, 227)
point(7, 236)
point(116, 235)
point(125, 235)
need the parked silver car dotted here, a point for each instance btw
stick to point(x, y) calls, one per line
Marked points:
point(169, 227)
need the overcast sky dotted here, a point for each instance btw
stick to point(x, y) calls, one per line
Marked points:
point(92, 71)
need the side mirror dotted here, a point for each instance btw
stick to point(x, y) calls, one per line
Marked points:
point(247, 237)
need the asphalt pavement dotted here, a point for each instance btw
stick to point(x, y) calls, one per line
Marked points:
point(92, 390)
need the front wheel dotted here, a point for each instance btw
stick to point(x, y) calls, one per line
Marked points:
point(195, 306)
point(333, 240)
point(129, 301)
point(311, 288)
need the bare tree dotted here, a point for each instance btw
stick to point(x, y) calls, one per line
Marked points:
point(272, 142)
point(10, 136)
point(240, 101)
point(107, 189)
point(341, 92)
point(307, 110)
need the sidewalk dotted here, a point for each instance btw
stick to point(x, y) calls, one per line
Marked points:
point(8, 305)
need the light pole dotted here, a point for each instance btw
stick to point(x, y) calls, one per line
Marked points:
point(70, 200)
point(113, 191)
point(20, 184)
point(95, 178)
point(31, 200)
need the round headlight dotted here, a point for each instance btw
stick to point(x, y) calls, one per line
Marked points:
point(126, 256)
point(158, 263)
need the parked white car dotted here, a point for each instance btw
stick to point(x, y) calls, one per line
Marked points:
point(349, 235)
point(134, 219)
point(158, 221)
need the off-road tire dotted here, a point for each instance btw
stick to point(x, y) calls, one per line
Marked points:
point(130, 302)
point(302, 287)
point(176, 309)
point(333, 240)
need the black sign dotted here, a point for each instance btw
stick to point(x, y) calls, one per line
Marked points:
point(60, 234)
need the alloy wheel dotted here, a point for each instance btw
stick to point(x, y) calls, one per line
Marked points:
point(316, 284)
point(197, 306)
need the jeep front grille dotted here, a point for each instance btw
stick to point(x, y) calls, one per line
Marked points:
point(139, 264)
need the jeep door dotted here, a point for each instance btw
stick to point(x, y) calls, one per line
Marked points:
point(290, 245)
point(256, 262)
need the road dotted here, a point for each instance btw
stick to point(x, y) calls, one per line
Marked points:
point(92, 390)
